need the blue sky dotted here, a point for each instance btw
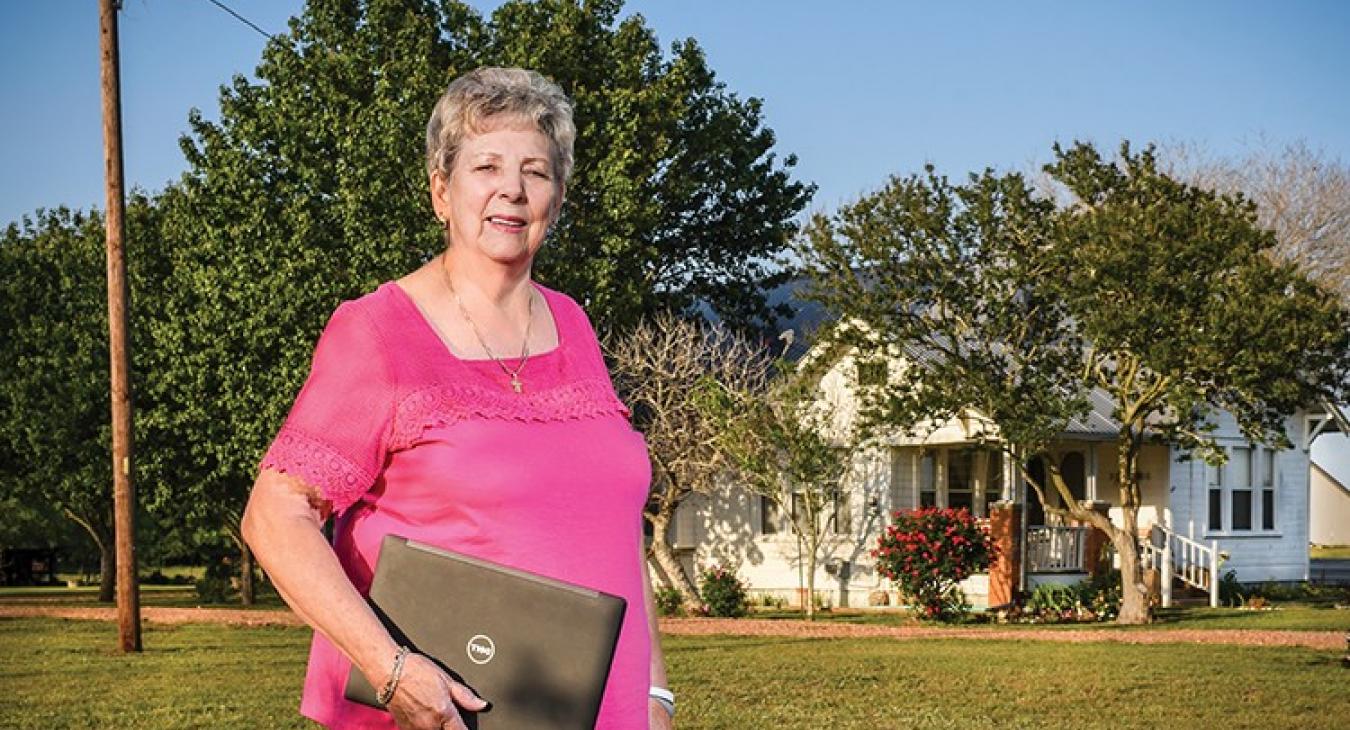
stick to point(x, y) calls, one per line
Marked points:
point(857, 90)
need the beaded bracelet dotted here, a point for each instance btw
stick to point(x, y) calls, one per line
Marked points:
point(387, 691)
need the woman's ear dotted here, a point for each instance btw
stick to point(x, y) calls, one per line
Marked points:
point(439, 195)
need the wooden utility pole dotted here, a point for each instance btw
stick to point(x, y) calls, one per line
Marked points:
point(124, 497)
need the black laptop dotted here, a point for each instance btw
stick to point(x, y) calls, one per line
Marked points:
point(539, 650)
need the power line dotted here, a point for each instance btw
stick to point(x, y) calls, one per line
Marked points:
point(240, 18)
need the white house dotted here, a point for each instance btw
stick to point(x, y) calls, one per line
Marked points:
point(1255, 508)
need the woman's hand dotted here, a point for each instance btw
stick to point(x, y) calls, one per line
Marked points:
point(428, 699)
point(657, 717)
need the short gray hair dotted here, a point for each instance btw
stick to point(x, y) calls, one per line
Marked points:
point(489, 93)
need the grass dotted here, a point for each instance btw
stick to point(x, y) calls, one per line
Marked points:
point(1286, 616)
point(68, 674)
point(796, 683)
point(56, 674)
point(1329, 552)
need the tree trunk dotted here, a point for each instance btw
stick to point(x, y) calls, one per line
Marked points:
point(811, 586)
point(107, 555)
point(665, 557)
point(107, 571)
point(1133, 593)
point(245, 574)
point(1134, 607)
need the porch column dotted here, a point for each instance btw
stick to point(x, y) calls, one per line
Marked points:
point(1094, 550)
point(1005, 522)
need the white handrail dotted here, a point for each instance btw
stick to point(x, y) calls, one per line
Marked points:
point(1177, 556)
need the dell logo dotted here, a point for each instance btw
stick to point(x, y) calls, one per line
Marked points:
point(481, 649)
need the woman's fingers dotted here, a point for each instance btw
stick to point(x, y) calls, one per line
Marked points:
point(465, 697)
point(428, 698)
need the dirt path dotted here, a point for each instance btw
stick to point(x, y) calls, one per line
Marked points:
point(1325, 640)
point(160, 615)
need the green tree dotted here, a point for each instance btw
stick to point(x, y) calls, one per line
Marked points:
point(54, 407)
point(1011, 312)
point(311, 188)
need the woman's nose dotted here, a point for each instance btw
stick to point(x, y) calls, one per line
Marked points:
point(512, 186)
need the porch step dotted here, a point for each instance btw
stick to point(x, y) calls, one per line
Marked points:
point(1191, 601)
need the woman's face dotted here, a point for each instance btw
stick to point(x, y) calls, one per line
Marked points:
point(502, 193)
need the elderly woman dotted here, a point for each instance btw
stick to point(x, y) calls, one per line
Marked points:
point(467, 407)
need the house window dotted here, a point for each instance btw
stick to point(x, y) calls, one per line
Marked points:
point(842, 518)
point(1214, 477)
point(834, 508)
point(928, 480)
point(969, 478)
point(993, 483)
point(961, 480)
point(770, 517)
point(1242, 492)
point(1240, 487)
point(1268, 489)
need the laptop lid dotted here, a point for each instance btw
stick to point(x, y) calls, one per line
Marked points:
point(538, 649)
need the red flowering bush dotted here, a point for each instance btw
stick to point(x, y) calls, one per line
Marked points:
point(926, 552)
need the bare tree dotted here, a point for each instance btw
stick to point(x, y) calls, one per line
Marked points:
point(1300, 192)
point(665, 369)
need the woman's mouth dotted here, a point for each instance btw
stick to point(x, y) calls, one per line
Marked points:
point(507, 223)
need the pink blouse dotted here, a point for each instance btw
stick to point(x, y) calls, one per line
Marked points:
point(405, 438)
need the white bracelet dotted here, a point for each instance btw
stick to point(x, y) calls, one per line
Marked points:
point(665, 698)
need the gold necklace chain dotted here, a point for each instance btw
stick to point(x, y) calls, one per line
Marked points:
point(516, 385)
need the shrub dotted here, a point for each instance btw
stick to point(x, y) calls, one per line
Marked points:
point(769, 600)
point(1102, 595)
point(926, 552)
point(1311, 592)
point(217, 583)
point(724, 595)
point(1231, 592)
point(1095, 599)
point(1054, 601)
point(669, 601)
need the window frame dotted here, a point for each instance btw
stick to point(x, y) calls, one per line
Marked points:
point(1260, 489)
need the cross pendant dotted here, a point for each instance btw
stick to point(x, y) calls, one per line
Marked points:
point(515, 383)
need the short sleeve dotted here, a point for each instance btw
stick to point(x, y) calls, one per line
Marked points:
point(337, 434)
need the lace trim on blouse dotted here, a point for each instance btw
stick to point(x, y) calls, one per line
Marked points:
point(338, 479)
point(446, 405)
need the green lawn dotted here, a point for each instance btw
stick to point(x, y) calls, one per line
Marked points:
point(56, 674)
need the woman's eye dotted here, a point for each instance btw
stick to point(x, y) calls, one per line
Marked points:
point(541, 174)
point(485, 167)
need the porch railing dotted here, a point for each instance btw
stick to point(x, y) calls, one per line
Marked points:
point(1053, 549)
point(1192, 562)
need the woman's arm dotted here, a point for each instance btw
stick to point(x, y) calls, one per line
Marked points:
point(283, 525)
point(657, 717)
